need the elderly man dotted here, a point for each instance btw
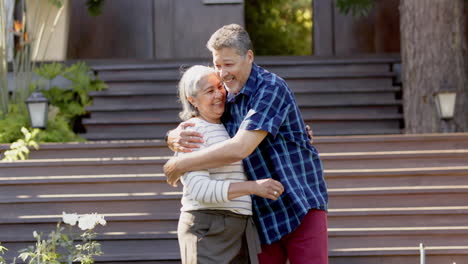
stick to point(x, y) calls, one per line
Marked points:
point(269, 135)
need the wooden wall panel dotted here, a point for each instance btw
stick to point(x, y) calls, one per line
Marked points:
point(323, 37)
point(377, 33)
point(353, 35)
point(184, 26)
point(148, 29)
point(124, 30)
point(163, 24)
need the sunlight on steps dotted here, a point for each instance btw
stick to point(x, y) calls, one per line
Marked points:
point(399, 188)
point(379, 211)
point(171, 232)
point(398, 169)
point(399, 152)
point(59, 216)
point(94, 195)
point(398, 248)
point(434, 208)
point(112, 176)
point(374, 229)
point(90, 159)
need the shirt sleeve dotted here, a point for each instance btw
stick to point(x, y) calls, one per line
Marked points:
point(204, 189)
point(269, 109)
point(199, 184)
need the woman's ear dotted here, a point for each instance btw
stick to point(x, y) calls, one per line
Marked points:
point(192, 101)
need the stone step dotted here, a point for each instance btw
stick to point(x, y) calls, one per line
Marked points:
point(387, 195)
point(362, 85)
point(145, 131)
point(149, 117)
point(167, 249)
point(385, 217)
point(397, 199)
point(333, 162)
point(444, 179)
point(394, 255)
point(392, 142)
point(98, 149)
point(18, 202)
point(360, 88)
point(124, 250)
point(53, 208)
point(167, 102)
point(280, 65)
point(145, 75)
point(334, 144)
point(111, 188)
point(397, 217)
point(310, 115)
point(395, 159)
point(338, 238)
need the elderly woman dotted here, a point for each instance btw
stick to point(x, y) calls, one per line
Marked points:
point(215, 224)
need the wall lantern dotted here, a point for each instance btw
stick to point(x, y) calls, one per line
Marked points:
point(38, 108)
point(445, 101)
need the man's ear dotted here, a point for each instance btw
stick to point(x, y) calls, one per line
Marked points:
point(250, 56)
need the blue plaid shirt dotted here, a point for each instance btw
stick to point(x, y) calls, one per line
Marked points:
point(266, 103)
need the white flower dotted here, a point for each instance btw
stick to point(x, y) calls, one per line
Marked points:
point(70, 219)
point(87, 222)
point(102, 221)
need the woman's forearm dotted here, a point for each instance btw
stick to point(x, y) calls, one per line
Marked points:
point(266, 188)
point(238, 189)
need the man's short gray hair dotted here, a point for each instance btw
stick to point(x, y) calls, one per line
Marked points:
point(230, 36)
point(189, 85)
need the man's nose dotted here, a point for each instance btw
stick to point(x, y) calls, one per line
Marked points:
point(222, 72)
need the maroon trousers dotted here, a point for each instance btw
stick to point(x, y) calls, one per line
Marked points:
point(307, 244)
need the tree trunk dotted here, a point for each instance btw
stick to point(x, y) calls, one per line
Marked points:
point(432, 49)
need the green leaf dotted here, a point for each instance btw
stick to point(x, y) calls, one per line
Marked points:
point(24, 256)
point(49, 71)
point(34, 145)
point(24, 131)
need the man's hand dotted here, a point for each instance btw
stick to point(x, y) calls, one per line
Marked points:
point(172, 174)
point(311, 135)
point(182, 140)
point(268, 188)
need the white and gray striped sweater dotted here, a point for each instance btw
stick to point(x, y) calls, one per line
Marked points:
point(208, 189)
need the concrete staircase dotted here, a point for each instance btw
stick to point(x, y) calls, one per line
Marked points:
point(387, 195)
point(338, 96)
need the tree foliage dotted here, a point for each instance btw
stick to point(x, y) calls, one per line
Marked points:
point(355, 7)
point(280, 27)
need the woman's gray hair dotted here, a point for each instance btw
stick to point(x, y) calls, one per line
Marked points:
point(188, 86)
point(230, 36)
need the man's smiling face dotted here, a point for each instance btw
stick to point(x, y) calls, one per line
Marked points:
point(233, 69)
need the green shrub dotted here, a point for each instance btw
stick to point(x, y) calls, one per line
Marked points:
point(280, 27)
point(71, 101)
point(67, 104)
point(58, 128)
point(10, 126)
